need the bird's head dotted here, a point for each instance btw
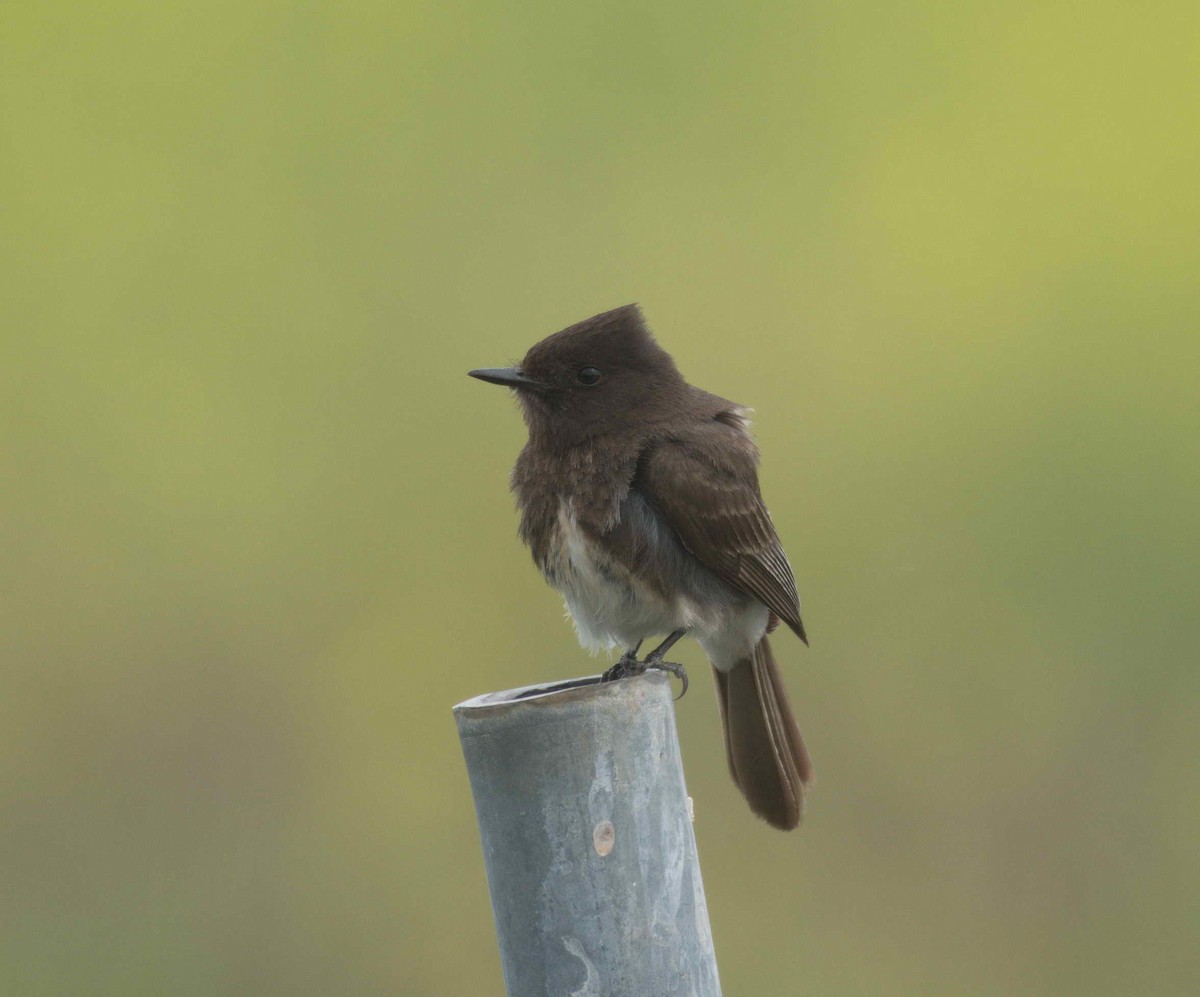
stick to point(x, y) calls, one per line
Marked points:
point(603, 374)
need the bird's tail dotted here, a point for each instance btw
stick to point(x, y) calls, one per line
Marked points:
point(766, 753)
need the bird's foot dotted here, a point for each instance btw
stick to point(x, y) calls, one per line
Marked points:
point(626, 666)
point(655, 660)
point(629, 665)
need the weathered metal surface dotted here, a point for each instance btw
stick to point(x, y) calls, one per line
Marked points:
point(587, 840)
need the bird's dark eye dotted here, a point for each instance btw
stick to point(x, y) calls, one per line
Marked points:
point(589, 375)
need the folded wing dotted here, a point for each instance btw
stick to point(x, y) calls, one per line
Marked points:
point(705, 484)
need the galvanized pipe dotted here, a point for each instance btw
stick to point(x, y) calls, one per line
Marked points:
point(587, 840)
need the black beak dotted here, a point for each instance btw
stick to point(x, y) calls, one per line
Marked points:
point(510, 377)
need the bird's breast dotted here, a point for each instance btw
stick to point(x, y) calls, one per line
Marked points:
point(609, 603)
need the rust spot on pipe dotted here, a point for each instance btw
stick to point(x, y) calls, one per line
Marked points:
point(604, 836)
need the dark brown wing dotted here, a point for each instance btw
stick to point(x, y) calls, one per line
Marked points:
point(705, 483)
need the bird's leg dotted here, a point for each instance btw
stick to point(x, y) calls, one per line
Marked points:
point(655, 660)
point(628, 664)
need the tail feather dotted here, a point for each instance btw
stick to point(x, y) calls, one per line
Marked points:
point(766, 754)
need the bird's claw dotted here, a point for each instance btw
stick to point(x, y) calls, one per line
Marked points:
point(628, 665)
point(673, 667)
point(625, 667)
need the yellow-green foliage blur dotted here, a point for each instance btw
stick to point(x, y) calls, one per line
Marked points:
point(255, 536)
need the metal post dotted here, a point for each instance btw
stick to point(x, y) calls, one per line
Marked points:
point(587, 840)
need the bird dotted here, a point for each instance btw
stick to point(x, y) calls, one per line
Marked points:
point(639, 501)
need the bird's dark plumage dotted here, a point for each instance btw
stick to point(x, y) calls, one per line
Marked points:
point(640, 502)
point(708, 490)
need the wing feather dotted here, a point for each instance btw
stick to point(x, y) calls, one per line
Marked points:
point(705, 483)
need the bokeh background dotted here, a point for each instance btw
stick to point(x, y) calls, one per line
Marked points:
point(255, 532)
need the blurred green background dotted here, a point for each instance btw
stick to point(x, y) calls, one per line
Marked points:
point(255, 532)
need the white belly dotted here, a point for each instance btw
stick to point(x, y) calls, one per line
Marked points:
point(612, 608)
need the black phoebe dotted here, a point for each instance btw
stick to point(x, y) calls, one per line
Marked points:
point(639, 501)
